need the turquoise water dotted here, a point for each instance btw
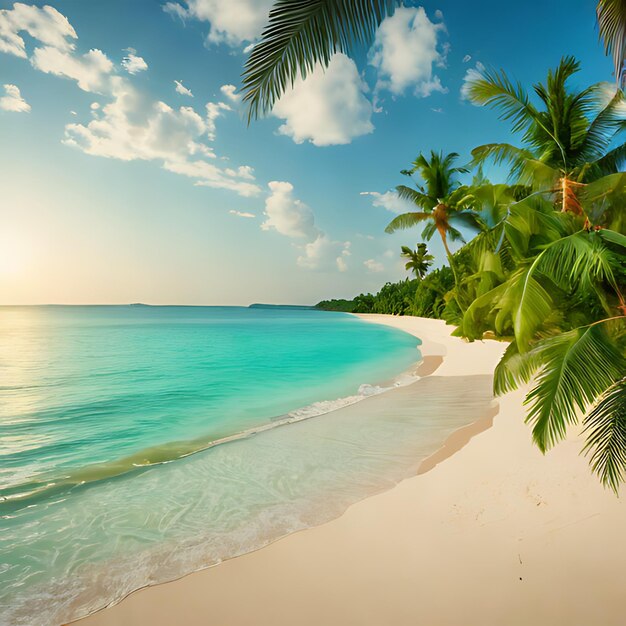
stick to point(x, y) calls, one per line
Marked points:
point(91, 392)
point(106, 415)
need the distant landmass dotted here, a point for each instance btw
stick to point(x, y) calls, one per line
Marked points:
point(258, 305)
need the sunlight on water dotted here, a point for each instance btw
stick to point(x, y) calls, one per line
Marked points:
point(69, 550)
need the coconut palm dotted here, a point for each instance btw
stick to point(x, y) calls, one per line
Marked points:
point(445, 204)
point(299, 35)
point(419, 260)
point(612, 25)
point(570, 140)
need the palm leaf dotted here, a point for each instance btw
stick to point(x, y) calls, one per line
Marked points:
point(299, 35)
point(514, 369)
point(406, 220)
point(605, 427)
point(578, 366)
point(417, 197)
point(612, 25)
point(494, 88)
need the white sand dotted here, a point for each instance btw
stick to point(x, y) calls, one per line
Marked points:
point(495, 535)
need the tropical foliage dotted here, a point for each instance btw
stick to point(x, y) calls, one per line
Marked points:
point(546, 268)
point(418, 260)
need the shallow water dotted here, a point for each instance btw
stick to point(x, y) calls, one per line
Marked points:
point(68, 554)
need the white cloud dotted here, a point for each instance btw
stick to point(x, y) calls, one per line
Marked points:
point(242, 214)
point(230, 92)
point(328, 108)
point(232, 23)
point(90, 70)
point(132, 63)
point(213, 111)
point(94, 106)
point(405, 50)
point(288, 215)
point(45, 24)
point(182, 90)
point(437, 110)
point(374, 266)
point(323, 254)
point(390, 201)
point(134, 127)
point(473, 74)
point(13, 100)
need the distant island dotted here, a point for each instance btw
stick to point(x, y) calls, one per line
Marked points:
point(258, 305)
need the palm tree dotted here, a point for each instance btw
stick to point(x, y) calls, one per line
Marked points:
point(419, 260)
point(299, 35)
point(612, 24)
point(443, 201)
point(569, 142)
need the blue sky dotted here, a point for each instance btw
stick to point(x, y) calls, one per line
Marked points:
point(119, 185)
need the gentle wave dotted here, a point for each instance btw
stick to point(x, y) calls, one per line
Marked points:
point(24, 494)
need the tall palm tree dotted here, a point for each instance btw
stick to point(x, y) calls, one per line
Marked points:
point(569, 141)
point(612, 25)
point(299, 35)
point(418, 260)
point(445, 204)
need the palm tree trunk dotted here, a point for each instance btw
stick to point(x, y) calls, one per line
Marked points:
point(444, 240)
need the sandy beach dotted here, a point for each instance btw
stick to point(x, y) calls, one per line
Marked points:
point(489, 532)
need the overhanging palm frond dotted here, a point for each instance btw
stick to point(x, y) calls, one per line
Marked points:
point(406, 220)
point(514, 369)
point(605, 427)
point(578, 366)
point(612, 25)
point(469, 219)
point(299, 35)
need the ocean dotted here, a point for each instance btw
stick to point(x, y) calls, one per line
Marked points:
point(140, 443)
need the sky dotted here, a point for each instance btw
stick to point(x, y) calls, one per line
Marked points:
point(128, 172)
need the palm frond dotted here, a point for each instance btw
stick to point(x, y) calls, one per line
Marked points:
point(605, 427)
point(406, 220)
point(416, 197)
point(612, 26)
point(494, 88)
point(577, 367)
point(514, 369)
point(299, 35)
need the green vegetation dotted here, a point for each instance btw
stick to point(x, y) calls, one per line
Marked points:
point(546, 269)
point(418, 260)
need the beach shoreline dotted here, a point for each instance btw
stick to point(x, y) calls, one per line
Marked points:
point(479, 538)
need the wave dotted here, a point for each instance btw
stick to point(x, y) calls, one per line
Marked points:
point(47, 485)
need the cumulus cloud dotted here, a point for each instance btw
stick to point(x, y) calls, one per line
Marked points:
point(473, 74)
point(45, 24)
point(374, 266)
point(288, 215)
point(390, 201)
point(182, 90)
point(230, 91)
point(133, 63)
point(134, 127)
point(232, 23)
point(406, 49)
point(323, 254)
point(328, 108)
point(292, 218)
point(13, 100)
point(213, 111)
point(90, 71)
point(242, 214)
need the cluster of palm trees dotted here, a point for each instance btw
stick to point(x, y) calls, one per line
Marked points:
point(546, 267)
